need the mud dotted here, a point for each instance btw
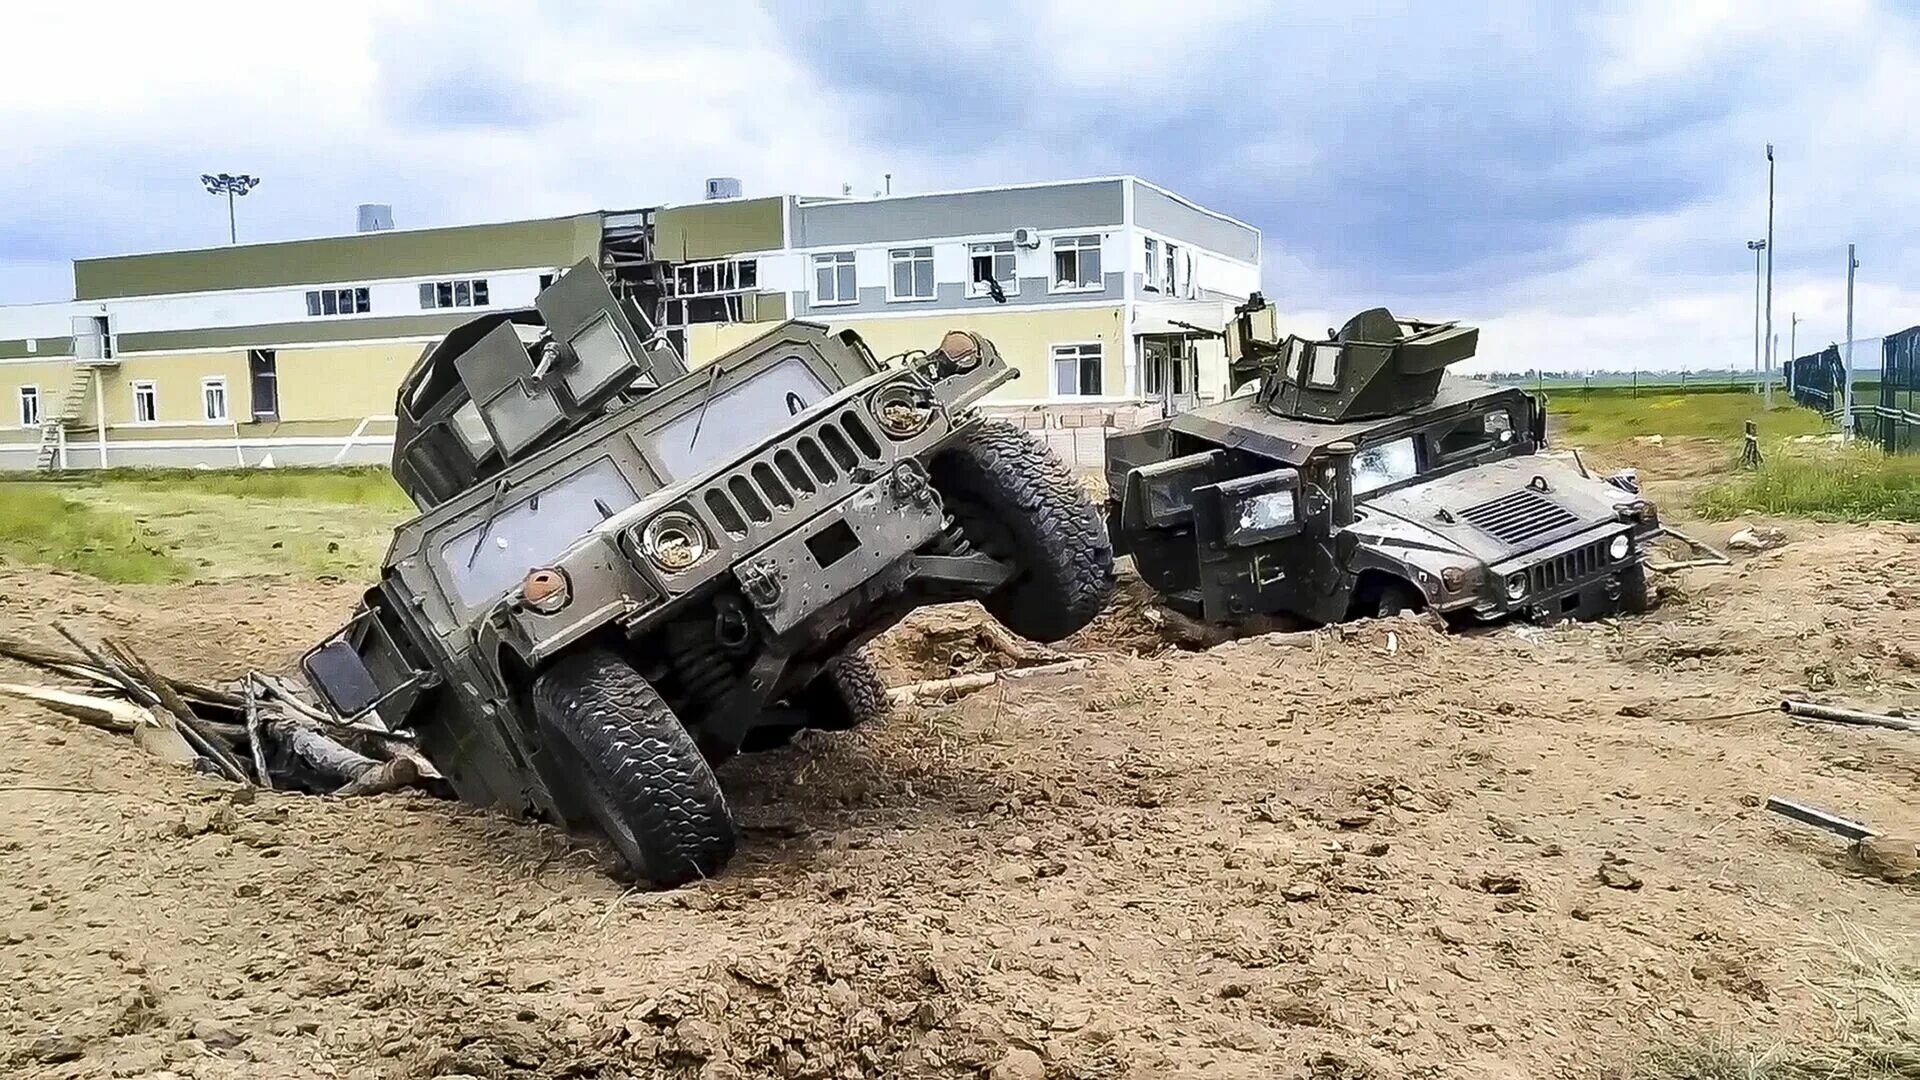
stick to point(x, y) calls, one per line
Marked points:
point(1375, 851)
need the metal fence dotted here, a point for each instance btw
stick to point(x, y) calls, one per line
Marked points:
point(1886, 403)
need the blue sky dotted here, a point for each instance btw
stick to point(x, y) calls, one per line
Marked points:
point(1579, 178)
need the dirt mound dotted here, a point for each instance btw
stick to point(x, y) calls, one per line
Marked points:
point(1369, 850)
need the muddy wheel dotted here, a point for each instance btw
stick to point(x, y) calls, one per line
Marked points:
point(1017, 501)
point(641, 775)
point(848, 693)
point(1637, 594)
point(1396, 597)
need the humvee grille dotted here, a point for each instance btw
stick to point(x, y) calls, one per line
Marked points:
point(823, 459)
point(1563, 570)
point(1518, 517)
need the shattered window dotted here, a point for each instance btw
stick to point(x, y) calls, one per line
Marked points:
point(1076, 263)
point(749, 273)
point(1375, 467)
point(991, 262)
point(1152, 276)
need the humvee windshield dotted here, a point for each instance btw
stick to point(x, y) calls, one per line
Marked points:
point(1452, 440)
point(736, 417)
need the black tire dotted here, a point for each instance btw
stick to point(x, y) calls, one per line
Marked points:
point(1637, 593)
point(1016, 500)
point(1396, 597)
point(641, 776)
point(848, 693)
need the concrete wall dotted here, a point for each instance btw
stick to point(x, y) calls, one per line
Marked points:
point(1157, 211)
point(854, 222)
point(1024, 338)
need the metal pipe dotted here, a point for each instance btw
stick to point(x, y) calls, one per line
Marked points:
point(1810, 710)
point(1819, 819)
point(1846, 398)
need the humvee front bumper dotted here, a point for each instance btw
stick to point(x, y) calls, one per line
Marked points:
point(1581, 577)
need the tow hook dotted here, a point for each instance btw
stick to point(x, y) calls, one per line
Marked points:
point(760, 581)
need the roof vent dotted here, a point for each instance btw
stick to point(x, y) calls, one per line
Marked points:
point(375, 216)
point(723, 187)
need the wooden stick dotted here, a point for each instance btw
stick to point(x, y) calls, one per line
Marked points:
point(126, 681)
point(1003, 641)
point(286, 696)
point(253, 739)
point(182, 712)
point(43, 656)
point(961, 685)
point(110, 714)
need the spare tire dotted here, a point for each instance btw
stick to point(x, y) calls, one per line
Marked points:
point(1017, 501)
point(641, 775)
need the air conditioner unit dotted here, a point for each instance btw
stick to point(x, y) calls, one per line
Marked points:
point(1026, 238)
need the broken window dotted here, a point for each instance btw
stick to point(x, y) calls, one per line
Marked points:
point(1151, 279)
point(912, 273)
point(29, 406)
point(480, 292)
point(443, 294)
point(991, 262)
point(263, 383)
point(462, 294)
point(1076, 370)
point(1171, 277)
point(833, 279)
point(1076, 263)
point(749, 273)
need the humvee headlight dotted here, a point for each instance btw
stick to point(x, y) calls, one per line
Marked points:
point(1453, 578)
point(1516, 586)
point(675, 541)
point(546, 591)
point(902, 410)
point(1619, 548)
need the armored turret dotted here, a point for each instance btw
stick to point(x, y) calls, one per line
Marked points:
point(1376, 365)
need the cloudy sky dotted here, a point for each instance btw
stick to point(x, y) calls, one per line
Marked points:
point(1581, 179)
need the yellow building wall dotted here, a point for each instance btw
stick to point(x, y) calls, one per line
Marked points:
point(343, 382)
point(176, 384)
point(1025, 339)
point(50, 377)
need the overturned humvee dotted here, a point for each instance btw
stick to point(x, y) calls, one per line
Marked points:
point(624, 572)
point(1354, 476)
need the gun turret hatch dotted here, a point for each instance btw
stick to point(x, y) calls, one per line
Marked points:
point(1376, 365)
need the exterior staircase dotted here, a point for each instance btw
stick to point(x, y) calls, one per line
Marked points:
point(64, 414)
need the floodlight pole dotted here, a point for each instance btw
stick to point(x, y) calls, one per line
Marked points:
point(231, 186)
point(1770, 336)
point(1756, 246)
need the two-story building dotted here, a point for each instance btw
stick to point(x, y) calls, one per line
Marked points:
point(1103, 292)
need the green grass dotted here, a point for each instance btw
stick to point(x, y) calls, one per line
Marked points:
point(371, 487)
point(1849, 485)
point(43, 526)
point(1610, 415)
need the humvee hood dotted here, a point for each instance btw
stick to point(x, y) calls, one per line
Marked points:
point(1497, 510)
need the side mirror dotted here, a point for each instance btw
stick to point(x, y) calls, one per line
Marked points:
point(341, 678)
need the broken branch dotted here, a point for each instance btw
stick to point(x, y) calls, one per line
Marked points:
point(961, 685)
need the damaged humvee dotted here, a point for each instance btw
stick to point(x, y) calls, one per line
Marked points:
point(624, 572)
point(1354, 477)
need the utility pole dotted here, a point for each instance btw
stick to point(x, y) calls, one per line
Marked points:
point(1756, 246)
point(1793, 335)
point(1770, 334)
point(1846, 397)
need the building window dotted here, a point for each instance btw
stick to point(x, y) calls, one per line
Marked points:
point(991, 262)
point(1076, 370)
point(1076, 263)
point(833, 279)
point(1151, 279)
point(355, 301)
point(545, 280)
point(1172, 276)
point(30, 406)
point(460, 292)
point(263, 383)
point(912, 277)
point(213, 398)
point(714, 278)
point(146, 402)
